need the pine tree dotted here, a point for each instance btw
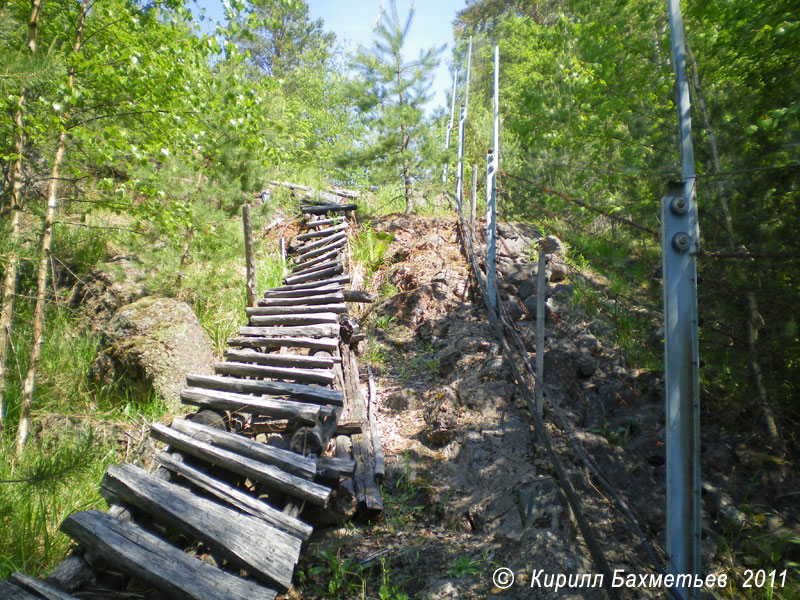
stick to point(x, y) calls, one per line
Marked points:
point(390, 93)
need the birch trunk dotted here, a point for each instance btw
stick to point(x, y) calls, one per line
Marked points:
point(29, 385)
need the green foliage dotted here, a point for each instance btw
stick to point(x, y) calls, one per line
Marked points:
point(389, 93)
point(369, 248)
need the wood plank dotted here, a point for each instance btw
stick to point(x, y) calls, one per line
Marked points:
point(9, 591)
point(334, 262)
point(323, 222)
point(320, 376)
point(325, 208)
point(314, 275)
point(37, 586)
point(141, 554)
point(331, 467)
point(303, 265)
point(70, 574)
point(325, 289)
point(319, 330)
point(290, 462)
point(297, 309)
point(279, 360)
point(306, 300)
point(328, 241)
point(236, 463)
point(358, 296)
point(275, 408)
point(367, 490)
point(264, 551)
point(235, 497)
point(322, 232)
point(295, 319)
point(312, 393)
point(307, 254)
point(379, 466)
point(342, 279)
point(284, 342)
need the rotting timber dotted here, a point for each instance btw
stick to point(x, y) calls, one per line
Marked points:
point(238, 497)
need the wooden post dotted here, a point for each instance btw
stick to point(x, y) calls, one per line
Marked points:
point(250, 256)
point(540, 286)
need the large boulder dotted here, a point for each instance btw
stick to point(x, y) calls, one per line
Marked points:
point(149, 347)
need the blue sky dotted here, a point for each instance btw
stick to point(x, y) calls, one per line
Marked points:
point(352, 22)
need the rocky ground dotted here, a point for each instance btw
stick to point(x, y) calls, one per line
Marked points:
point(467, 489)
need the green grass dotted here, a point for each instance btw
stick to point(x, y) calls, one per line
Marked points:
point(369, 248)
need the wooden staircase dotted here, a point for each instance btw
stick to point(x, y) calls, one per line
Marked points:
point(240, 505)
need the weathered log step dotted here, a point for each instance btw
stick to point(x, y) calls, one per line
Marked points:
point(323, 222)
point(236, 463)
point(328, 344)
point(141, 554)
point(319, 330)
point(38, 588)
point(321, 209)
point(321, 376)
point(340, 280)
point(331, 298)
point(311, 393)
point(276, 408)
point(322, 232)
point(325, 289)
point(235, 497)
point(297, 309)
point(314, 275)
point(306, 253)
point(295, 319)
point(332, 467)
point(290, 462)
point(326, 241)
point(17, 591)
point(303, 265)
point(264, 551)
point(281, 360)
point(320, 266)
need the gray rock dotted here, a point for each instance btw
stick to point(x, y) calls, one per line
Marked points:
point(541, 503)
point(551, 244)
point(150, 346)
point(402, 400)
point(558, 270)
point(513, 309)
point(111, 285)
point(587, 365)
point(527, 289)
point(441, 590)
point(513, 248)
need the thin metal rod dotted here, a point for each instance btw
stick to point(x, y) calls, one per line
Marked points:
point(540, 285)
point(680, 244)
point(450, 125)
point(460, 167)
point(492, 166)
point(466, 83)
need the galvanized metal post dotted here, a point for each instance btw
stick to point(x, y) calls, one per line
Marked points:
point(473, 196)
point(460, 168)
point(450, 126)
point(492, 165)
point(466, 83)
point(680, 243)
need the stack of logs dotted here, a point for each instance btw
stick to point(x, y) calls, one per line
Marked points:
point(242, 506)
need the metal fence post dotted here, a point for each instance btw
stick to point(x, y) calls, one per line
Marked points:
point(680, 242)
point(446, 166)
point(492, 165)
point(460, 167)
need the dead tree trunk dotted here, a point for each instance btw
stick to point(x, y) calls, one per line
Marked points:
point(29, 385)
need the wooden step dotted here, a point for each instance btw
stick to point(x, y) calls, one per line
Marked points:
point(9, 591)
point(141, 554)
point(324, 242)
point(281, 360)
point(321, 209)
point(320, 376)
point(325, 289)
point(319, 330)
point(295, 319)
point(309, 254)
point(323, 222)
point(340, 280)
point(314, 275)
point(322, 232)
point(303, 265)
point(320, 266)
point(331, 298)
point(264, 551)
point(311, 393)
point(235, 497)
point(275, 408)
point(291, 462)
point(37, 586)
point(298, 309)
point(326, 344)
point(236, 463)
point(333, 468)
